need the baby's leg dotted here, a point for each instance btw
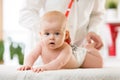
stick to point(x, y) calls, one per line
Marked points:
point(93, 59)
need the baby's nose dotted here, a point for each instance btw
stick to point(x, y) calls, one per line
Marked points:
point(52, 36)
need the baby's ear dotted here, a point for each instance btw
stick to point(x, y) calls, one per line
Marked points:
point(39, 33)
point(67, 37)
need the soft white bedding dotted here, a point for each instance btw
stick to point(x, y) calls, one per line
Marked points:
point(10, 73)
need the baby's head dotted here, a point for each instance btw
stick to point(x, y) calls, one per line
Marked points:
point(54, 27)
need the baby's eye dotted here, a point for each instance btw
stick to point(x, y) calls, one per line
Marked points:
point(57, 33)
point(47, 34)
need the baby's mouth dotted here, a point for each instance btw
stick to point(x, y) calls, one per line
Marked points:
point(52, 43)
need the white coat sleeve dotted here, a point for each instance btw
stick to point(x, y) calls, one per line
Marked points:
point(96, 18)
point(29, 14)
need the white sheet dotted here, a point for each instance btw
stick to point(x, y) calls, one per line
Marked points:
point(10, 73)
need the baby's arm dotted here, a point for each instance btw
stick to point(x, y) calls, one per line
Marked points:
point(31, 58)
point(59, 62)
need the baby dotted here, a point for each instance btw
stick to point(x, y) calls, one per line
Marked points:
point(54, 51)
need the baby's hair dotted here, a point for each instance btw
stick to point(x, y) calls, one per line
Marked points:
point(54, 16)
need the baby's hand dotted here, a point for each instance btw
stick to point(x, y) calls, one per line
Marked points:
point(25, 67)
point(39, 69)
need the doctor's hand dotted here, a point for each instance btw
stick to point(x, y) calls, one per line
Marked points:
point(93, 38)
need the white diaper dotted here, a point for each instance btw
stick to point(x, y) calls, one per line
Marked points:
point(79, 53)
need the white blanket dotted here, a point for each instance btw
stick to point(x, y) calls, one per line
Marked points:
point(11, 73)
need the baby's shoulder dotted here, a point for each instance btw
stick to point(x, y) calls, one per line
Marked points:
point(67, 46)
point(39, 44)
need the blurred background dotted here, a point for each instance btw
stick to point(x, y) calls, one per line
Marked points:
point(17, 41)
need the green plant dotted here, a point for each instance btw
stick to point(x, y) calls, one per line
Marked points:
point(1, 51)
point(16, 49)
point(111, 4)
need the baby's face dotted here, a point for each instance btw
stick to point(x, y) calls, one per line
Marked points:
point(53, 34)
